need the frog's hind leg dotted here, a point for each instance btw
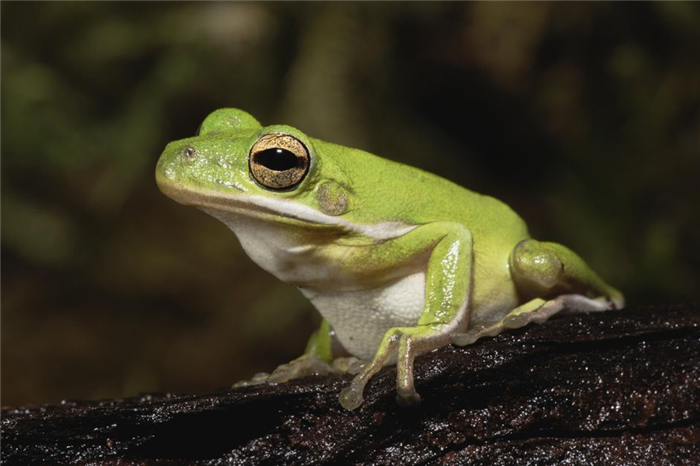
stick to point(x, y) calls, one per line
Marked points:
point(547, 270)
point(553, 278)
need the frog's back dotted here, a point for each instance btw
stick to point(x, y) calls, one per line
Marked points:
point(407, 194)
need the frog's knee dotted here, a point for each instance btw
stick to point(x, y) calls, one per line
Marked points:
point(535, 267)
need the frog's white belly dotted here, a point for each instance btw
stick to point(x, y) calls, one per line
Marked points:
point(361, 318)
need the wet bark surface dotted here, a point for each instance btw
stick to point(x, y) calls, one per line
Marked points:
point(615, 388)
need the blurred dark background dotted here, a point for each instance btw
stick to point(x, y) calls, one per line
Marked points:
point(584, 117)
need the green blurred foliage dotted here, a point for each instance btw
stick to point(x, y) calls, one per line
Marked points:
point(584, 117)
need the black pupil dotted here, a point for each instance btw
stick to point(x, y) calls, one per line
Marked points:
point(277, 159)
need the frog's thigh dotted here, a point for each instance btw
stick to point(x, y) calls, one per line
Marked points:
point(538, 310)
point(545, 270)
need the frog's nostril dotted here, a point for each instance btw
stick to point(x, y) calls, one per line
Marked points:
point(190, 152)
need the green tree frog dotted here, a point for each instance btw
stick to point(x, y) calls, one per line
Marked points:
point(398, 261)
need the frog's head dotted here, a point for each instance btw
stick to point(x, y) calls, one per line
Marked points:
point(236, 166)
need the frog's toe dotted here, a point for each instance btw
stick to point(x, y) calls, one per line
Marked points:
point(351, 396)
point(257, 379)
point(300, 367)
point(411, 398)
point(464, 339)
point(470, 337)
point(518, 321)
point(617, 300)
point(349, 365)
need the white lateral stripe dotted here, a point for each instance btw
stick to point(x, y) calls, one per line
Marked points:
point(293, 209)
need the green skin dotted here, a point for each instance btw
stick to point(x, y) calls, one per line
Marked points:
point(355, 227)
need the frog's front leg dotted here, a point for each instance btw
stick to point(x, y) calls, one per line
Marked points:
point(318, 358)
point(445, 311)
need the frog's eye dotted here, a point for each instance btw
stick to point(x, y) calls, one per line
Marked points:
point(279, 161)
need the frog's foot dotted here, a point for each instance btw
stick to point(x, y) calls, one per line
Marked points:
point(348, 365)
point(407, 342)
point(538, 310)
point(300, 367)
point(542, 269)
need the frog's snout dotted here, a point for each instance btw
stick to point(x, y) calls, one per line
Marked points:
point(172, 162)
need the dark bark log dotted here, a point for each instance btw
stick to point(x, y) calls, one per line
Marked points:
point(617, 388)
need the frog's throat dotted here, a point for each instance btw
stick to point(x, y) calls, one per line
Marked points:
point(252, 205)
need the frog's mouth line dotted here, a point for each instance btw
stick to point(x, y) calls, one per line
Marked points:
point(252, 205)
